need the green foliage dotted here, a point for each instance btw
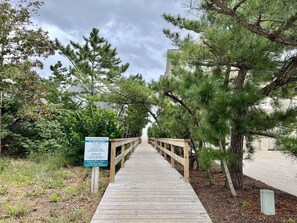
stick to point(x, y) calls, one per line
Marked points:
point(4, 164)
point(95, 64)
point(155, 132)
point(89, 121)
point(71, 193)
point(19, 37)
point(23, 110)
point(222, 78)
point(54, 198)
point(44, 136)
point(207, 156)
point(133, 100)
point(244, 204)
point(77, 215)
point(54, 184)
point(288, 145)
point(136, 118)
point(17, 211)
point(290, 220)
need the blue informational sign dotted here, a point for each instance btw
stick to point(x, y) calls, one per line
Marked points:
point(96, 152)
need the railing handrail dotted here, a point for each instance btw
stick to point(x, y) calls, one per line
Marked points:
point(114, 160)
point(119, 142)
point(184, 143)
point(175, 142)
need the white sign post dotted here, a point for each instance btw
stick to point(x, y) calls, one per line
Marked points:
point(96, 155)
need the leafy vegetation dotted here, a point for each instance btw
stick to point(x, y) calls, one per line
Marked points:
point(224, 70)
point(48, 119)
point(31, 191)
point(237, 56)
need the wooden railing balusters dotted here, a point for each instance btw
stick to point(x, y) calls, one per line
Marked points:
point(114, 160)
point(166, 147)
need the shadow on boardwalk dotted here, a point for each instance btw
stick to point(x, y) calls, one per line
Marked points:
point(147, 189)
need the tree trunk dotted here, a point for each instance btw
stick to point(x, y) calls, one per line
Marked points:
point(237, 135)
point(236, 161)
point(1, 122)
point(2, 56)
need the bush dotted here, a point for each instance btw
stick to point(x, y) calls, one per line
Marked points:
point(38, 137)
point(91, 121)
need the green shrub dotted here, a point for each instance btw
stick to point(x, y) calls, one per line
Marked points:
point(91, 121)
point(39, 137)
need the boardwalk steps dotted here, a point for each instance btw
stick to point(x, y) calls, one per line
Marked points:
point(148, 189)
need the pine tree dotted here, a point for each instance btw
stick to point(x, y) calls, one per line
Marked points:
point(239, 70)
point(93, 65)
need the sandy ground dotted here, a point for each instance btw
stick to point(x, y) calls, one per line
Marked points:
point(273, 168)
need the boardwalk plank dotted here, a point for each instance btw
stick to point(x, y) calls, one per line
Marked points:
point(148, 189)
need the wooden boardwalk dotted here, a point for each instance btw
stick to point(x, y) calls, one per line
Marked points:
point(148, 189)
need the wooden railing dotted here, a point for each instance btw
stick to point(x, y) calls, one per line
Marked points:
point(168, 147)
point(131, 143)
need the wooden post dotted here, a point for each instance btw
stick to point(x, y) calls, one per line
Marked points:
point(160, 148)
point(165, 154)
point(95, 180)
point(112, 161)
point(155, 143)
point(132, 144)
point(123, 159)
point(186, 158)
point(171, 158)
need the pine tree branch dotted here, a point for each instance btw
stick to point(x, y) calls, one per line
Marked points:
point(212, 47)
point(218, 6)
point(213, 63)
point(266, 134)
point(176, 99)
point(284, 76)
point(181, 102)
point(292, 79)
point(286, 25)
point(238, 5)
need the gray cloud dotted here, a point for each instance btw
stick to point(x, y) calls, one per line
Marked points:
point(134, 27)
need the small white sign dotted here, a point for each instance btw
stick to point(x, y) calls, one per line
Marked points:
point(96, 152)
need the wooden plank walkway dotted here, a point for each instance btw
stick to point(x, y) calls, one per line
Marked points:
point(148, 189)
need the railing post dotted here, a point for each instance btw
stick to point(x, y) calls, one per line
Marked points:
point(112, 161)
point(134, 145)
point(160, 148)
point(165, 154)
point(123, 159)
point(171, 158)
point(186, 158)
point(130, 153)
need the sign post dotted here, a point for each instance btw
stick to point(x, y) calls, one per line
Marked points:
point(96, 155)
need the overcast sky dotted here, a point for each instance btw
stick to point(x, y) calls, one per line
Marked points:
point(134, 27)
